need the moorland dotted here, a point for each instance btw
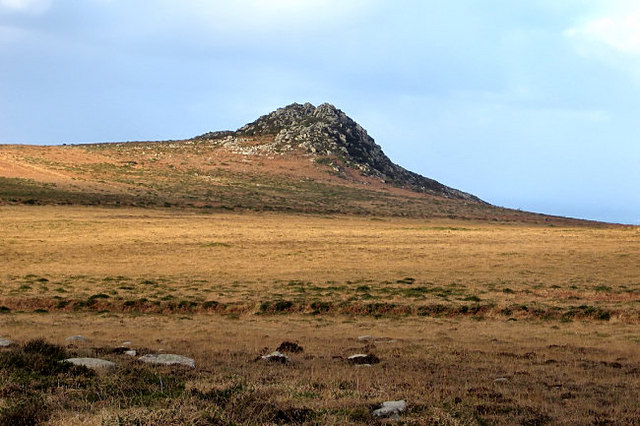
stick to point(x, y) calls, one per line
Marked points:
point(221, 250)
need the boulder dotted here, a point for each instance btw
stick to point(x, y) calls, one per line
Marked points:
point(168, 359)
point(94, 363)
point(5, 342)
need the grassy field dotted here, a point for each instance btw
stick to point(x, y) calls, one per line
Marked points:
point(551, 311)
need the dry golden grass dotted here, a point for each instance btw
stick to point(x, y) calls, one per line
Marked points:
point(446, 369)
point(554, 310)
point(247, 259)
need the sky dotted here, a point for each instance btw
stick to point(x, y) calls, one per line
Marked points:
point(532, 105)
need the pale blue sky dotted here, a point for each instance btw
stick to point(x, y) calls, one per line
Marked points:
point(527, 104)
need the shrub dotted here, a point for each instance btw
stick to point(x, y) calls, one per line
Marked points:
point(283, 305)
point(25, 411)
point(99, 296)
point(320, 307)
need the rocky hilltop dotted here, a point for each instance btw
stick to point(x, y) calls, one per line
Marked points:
point(331, 136)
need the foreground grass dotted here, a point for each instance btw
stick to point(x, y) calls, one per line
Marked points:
point(550, 311)
point(446, 369)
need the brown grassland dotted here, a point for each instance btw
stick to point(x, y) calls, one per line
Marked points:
point(455, 304)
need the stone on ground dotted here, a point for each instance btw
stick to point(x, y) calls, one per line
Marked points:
point(94, 363)
point(77, 338)
point(5, 342)
point(168, 359)
point(391, 409)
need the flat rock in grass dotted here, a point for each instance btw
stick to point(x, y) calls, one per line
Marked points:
point(94, 363)
point(275, 357)
point(168, 359)
point(501, 380)
point(391, 409)
point(362, 359)
point(5, 342)
point(131, 352)
point(78, 338)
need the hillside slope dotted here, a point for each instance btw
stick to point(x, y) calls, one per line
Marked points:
point(299, 158)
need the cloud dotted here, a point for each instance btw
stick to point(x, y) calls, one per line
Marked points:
point(612, 27)
point(259, 16)
point(28, 6)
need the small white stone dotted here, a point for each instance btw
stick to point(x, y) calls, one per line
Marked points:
point(391, 409)
point(5, 342)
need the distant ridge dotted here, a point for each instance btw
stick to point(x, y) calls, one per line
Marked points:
point(327, 132)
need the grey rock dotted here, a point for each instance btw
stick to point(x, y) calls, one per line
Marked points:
point(501, 380)
point(276, 357)
point(131, 352)
point(5, 342)
point(94, 363)
point(77, 338)
point(168, 359)
point(391, 409)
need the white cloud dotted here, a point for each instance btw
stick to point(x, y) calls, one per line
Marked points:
point(613, 26)
point(610, 33)
point(251, 16)
point(29, 6)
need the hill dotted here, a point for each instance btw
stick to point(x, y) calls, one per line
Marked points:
point(299, 158)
